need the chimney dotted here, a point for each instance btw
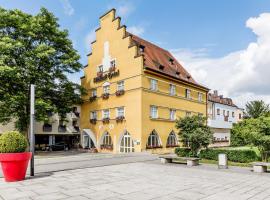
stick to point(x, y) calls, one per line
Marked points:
point(215, 92)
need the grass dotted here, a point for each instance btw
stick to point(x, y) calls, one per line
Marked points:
point(230, 163)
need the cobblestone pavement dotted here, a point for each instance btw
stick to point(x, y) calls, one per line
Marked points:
point(141, 181)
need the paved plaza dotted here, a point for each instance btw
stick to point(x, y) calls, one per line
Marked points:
point(140, 181)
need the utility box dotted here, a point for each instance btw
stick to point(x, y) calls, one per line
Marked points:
point(222, 161)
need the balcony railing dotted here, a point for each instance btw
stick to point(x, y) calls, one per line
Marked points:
point(47, 128)
point(62, 128)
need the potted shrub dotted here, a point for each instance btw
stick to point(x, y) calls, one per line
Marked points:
point(13, 156)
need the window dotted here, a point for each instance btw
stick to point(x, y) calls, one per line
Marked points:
point(200, 95)
point(120, 86)
point(93, 115)
point(154, 113)
point(154, 85)
point(100, 68)
point(107, 140)
point(228, 113)
point(218, 111)
point(141, 48)
point(188, 94)
point(172, 89)
point(106, 113)
point(106, 89)
point(224, 112)
point(153, 140)
point(188, 114)
point(113, 63)
point(172, 114)
point(232, 114)
point(240, 116)
point(94, 93)
point(120, 112)
point(172, 140)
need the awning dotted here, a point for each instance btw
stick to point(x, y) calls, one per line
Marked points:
point(90, 133)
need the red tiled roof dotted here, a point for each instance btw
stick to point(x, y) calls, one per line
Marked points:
point(214, 97)
point(162, 61)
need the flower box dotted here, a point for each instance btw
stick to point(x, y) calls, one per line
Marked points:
point(107, 146)
point(153, 147)
point(119, 92)
point(106, 120)
point(92, 98)
point(120, 119)
point(171, 146)
point(111, 69)
point(99, 74)
point(93, 121)
point(105, 96)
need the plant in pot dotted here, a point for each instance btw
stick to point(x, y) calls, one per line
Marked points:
point(13, 156)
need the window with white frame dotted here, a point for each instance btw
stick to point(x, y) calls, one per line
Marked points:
point(113, 63)
point(107, 140)
point(100, 68)
point(154, 85)
point(120, 86)
point(153, 140)
point(200, 95)
point(188, 94)
point(153, 112)
point(106, 113)
point(106, 89)
point(172, 140)
point(93, 115)
point(172, 114)
point(218, 111)
point(120, 112)
point(172, 89)
point(94, 93)
point(188, 114)
point(232, 114)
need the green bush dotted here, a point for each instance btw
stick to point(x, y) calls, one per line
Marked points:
point(183, 152)
point(234, 155)
point(13, 142)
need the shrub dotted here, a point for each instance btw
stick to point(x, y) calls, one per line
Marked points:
point(13, 142)
point(183, 152)
point(234, 155)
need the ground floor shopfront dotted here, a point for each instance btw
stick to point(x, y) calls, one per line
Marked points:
point(45, 141)
point(221, 137)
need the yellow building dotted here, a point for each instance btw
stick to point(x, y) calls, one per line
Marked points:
point(136, 90)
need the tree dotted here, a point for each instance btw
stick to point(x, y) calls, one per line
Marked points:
point(255, 109)
point(33, 50)
point(194, 132)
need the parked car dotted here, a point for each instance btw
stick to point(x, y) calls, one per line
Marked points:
point(61, 146)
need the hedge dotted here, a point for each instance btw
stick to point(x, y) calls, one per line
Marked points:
point(13, 142)
point(234, 155)
point(183, 152)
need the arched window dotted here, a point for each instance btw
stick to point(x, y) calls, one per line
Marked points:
point(172, 140)
point(107, 142)
point(153, 141)
point(126, 144)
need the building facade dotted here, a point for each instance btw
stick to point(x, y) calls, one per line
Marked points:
point(54, 132)
point(136, 90)
point(222, 114)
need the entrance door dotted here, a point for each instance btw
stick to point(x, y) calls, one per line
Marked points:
point(126, 145)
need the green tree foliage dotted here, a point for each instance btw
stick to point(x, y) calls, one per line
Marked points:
point(255, 109)
point(253, 132)
point(13, 142)
point(194, 132)
point(33, 50)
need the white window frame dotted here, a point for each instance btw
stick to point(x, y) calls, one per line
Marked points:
point(153, 85)
point(93, 115)
point(172, 90)
point(120, 85)
point(113, 61)
point(172, 114)
point(188, 93)
point(154, 139)
point(94, 92)
point(106, 114)
point(106, 89)
point(153, 115)
point(123, 111)
point(172, 137)
point(100, 68)
point(188, 113)
point(107, 139)
point(200, 97)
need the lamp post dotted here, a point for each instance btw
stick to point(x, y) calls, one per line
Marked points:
point(32, 118)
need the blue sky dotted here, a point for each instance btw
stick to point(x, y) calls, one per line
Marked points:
point(198, 31)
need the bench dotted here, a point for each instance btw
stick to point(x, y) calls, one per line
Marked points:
point(169, 158)
point(260, 167)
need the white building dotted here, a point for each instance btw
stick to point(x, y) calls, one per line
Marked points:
point(222, 113)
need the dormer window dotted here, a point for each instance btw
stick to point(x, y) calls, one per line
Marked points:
point(188, 77)
point(177, 73)
point(141, 48)
point(161, 67)
point(171, 61)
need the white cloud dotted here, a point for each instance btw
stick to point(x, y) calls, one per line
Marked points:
point(68, 9)
point(125, 9)
point(90, 37)
point(242, 75)
point(136, 30)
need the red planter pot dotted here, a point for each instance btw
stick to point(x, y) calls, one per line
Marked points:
point(14, 165)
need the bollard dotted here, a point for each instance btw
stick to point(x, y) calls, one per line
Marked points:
point(222, 161)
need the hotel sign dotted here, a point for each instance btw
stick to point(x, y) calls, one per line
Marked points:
point(104, 77)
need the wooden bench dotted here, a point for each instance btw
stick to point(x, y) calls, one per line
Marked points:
point(169, 158)
point(260, 167)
